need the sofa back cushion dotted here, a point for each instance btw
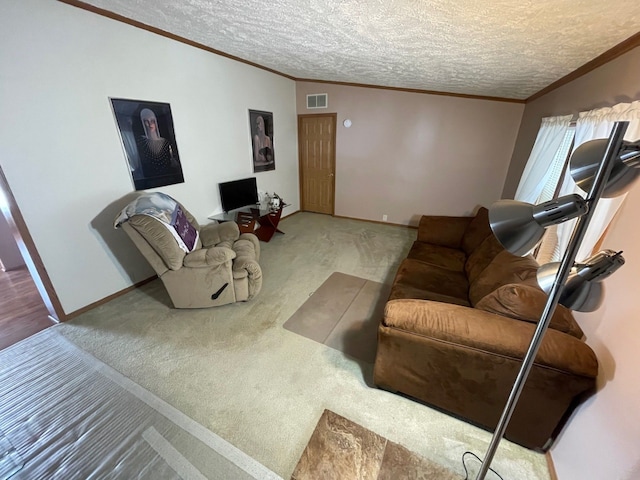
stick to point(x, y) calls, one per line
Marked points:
point(505, 268)
point(482, 256)
point(526, 303)
point(477, 231)
point(416, 279)
point(160, 239)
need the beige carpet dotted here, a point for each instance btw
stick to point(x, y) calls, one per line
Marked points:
point(343, 313)
point(342, 449)
point(238, 372)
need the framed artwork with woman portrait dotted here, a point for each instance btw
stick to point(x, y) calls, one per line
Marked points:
point(149, 142)
point(261, 124)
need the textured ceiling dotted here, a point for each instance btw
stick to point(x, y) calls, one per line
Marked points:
point(498, 48)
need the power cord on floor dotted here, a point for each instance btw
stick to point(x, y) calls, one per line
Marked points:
point(466, 477)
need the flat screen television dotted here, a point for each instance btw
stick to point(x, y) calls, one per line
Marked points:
point(238, 193)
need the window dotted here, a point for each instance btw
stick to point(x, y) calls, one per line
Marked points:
point(548, 250)
point(558, 165)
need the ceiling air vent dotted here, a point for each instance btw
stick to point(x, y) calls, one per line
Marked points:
point(318, 100)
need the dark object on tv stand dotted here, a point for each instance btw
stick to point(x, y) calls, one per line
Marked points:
point(238, 193)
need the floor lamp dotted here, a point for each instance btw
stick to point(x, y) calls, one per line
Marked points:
point(604, 167)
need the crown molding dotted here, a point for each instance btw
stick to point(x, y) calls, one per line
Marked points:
point(164, 33)
point(623, 47)
point(177, 38)
point(611, 54)
point(415, 90)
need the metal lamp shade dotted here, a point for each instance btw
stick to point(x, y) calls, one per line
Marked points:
point(586, 159)
point(519, 226)
point(513, 225)
point(583, 291)
point(578, 294)
point(583, 274)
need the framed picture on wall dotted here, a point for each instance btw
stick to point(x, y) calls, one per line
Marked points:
point(149, 142)
point(263, 157)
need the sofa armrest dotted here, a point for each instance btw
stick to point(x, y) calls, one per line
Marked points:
point(208, 257)
point(490, 333)
point(253, 239)
point(214, 233)
point(464, 361)
point(250, 266)
point(245, 267)
point(443, 231)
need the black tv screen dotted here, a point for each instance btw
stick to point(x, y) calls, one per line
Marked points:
point(238, 193)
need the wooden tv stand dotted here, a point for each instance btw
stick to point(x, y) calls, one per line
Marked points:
point(247, 218)
point(268, 223)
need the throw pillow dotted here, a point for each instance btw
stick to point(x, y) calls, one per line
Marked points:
point(504, 269)
point(187, 232)
point(526, 303)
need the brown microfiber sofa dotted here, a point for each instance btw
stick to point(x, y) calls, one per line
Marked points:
point(459, 319)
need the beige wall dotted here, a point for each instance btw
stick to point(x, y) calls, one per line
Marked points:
point(408, 154)
point(601, 439)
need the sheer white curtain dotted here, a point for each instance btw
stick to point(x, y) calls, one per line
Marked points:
point(544, 253)
point(590, 125)
point(540, 164)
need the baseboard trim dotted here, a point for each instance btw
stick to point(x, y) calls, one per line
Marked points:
point(552, 469)
point(290, 214)
point(93, 305)
point(377, 221)
point(74, 314)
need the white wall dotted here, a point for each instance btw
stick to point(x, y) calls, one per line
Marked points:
point(61, 152)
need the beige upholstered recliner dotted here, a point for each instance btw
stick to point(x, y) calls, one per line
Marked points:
point(222, 267)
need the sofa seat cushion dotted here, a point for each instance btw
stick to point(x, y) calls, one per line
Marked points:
point(526, 303)
point(470, 328)
point(402, 292)
point(504, 269)
point(449, 258)
point(416, 279)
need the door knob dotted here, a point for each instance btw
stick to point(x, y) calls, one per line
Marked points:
point(331, 174)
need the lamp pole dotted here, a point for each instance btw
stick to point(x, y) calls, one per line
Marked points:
point(600, 181)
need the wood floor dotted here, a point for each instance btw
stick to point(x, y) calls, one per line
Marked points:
point(22, 311)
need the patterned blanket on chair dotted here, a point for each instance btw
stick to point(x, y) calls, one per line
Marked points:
point(167, 211)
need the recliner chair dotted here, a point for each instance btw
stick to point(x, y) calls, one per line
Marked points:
point(222, 268)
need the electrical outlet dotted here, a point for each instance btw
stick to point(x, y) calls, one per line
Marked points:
point(384, 218)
